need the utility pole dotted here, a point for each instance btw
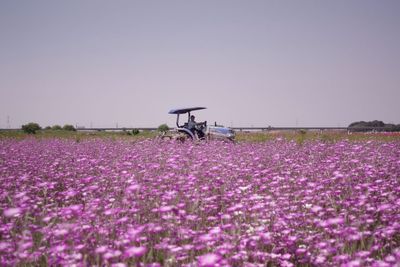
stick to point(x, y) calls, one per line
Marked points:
point(8, 122)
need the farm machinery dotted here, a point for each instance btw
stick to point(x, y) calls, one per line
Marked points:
point(192, 130)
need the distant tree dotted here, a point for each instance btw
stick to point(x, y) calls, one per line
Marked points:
point(365, 126)
point(31, 128)
point(357, 124)
point(56, 127)
point(47, 128)
point(392, 127)
point(68, 127)
point(135, 131)
point(376, 124)
point(163, 128)
point(124, 131)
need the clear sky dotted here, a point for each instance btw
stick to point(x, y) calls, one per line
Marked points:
point(251, 63)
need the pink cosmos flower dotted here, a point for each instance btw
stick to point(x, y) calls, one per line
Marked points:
point(135, 251)
point(165, 208)
point(112, 254)
point(209, 260)
point(101, 249)
point(12, 212)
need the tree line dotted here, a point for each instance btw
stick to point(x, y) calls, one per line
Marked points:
point(379, 126)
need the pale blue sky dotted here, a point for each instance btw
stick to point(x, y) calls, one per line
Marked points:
point(252, 63)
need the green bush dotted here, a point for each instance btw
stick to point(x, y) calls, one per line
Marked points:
point(379, 126)
point(163, 128)
point(302, 132)
point(301, 136)
point(135, 132)
point(68, 127)
point(47, 128)
point(124, 131)
point(327, 138)
point(56, 127)
point(31, 128)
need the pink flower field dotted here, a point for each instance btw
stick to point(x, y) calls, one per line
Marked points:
point(147, 203)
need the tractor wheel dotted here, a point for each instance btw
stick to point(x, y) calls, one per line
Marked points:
point(183, 137)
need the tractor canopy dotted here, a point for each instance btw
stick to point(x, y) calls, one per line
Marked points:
point(184, 110)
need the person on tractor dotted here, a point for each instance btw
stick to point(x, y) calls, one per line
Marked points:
point(193, 127)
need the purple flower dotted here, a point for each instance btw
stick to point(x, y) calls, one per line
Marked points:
point(209, 260)
point(138, 202)
point(135, 252)
point(12, 212)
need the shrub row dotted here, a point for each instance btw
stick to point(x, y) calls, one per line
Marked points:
point(379, 126)
point(33, 127)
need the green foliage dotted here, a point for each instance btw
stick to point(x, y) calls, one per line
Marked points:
point(302, 132)
point(31, 128)
point(328, 138)
point(68, 127)
point(135, 132)
point(163, 128)
point(254, 137)
point(47, 128)
point(56, 127)
point(310, 136)
point(124, 131)
point(378, 126)
point(301, 137)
